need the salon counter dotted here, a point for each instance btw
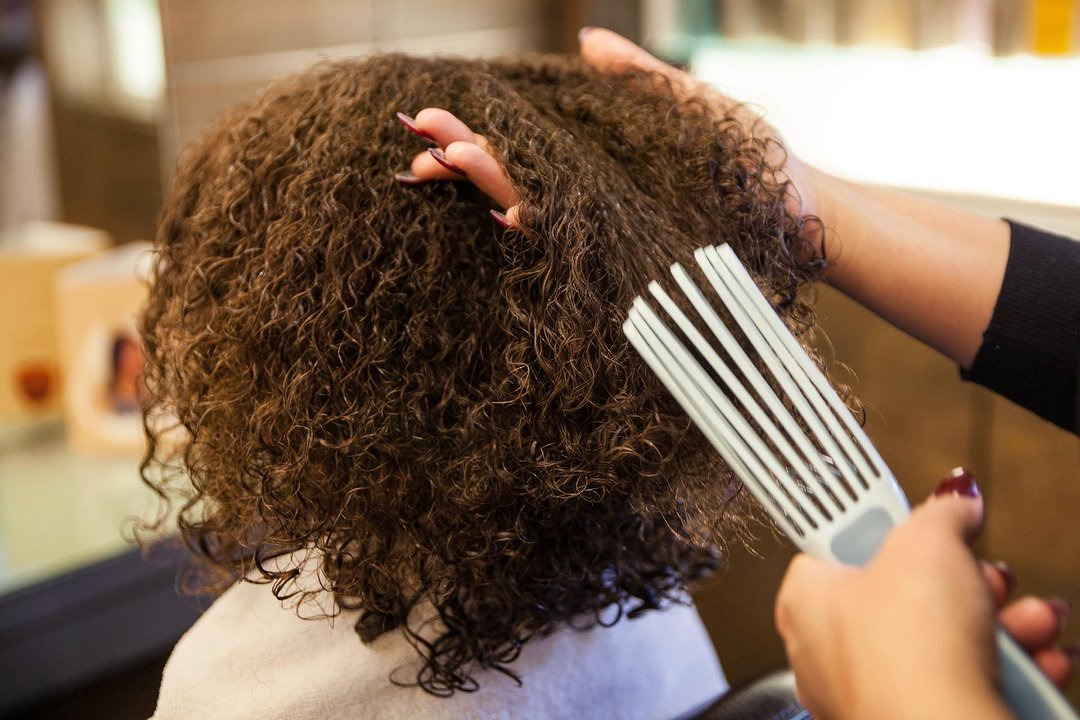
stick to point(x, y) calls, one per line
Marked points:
point(78, 600)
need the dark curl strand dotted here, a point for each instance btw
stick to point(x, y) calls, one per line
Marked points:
point(442, 413)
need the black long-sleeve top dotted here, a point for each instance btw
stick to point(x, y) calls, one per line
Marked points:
point(1031, 349)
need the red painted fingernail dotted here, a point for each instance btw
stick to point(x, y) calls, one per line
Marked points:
point(1061, 609)
point(440, 157)
point(1007, 574)
point(960, 482)
point(500, 218)
point(412, 127)
point(408, 177)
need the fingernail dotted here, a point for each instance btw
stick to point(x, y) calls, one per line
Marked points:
point(500, 218)
point(960, 482)
point(440, 157)
point(583, 32)
point(408, 177)
point(1061, 609)
point(412, 127)
point(1007, 574)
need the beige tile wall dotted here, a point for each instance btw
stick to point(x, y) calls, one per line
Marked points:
point(209, 29)
point(218, 53)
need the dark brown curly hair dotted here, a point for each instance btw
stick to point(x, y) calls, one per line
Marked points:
point(440, 411)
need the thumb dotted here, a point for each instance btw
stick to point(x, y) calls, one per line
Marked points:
point(956, 506)
point(608, 51)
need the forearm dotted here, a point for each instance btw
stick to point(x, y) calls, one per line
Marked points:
point(957, 701)
point(929, 269)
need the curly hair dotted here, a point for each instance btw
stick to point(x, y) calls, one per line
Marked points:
point(442, 412)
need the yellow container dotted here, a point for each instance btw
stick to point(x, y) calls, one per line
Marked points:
point(1052, 24)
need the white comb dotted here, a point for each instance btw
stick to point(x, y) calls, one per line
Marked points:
point(815, 472)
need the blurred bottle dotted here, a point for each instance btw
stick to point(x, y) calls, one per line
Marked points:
point(660, 25)
point(808, 21)
point(1052, 26)
point(975, 22)
point(935, 23)
point(750, 19)
point(1010, 21)
point(941, 23)
point(889, 23)
point(697, 18)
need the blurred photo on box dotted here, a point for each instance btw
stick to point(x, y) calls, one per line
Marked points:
point(97, 303)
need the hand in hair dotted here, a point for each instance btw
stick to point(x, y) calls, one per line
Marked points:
point(465, 149)
point(898, 255)
point(607, 52)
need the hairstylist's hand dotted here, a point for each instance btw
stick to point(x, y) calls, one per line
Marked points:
point(462, 154)
point(911, 634)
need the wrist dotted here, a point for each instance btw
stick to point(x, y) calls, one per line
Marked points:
point(926, 703)
point(965, 701)
point(836, 204)
point(956, 684)
point(932, 270)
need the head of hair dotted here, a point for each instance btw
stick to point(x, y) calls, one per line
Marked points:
point(441, 412)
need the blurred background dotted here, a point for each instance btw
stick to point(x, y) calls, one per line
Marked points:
point(974, 102)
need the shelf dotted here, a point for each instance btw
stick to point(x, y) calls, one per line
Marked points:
point(953, 120)
point(78, 600)
point(60, 511)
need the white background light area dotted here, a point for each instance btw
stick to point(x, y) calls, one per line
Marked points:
point(952, 120)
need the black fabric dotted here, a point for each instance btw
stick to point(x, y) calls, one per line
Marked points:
point(769, 698)
point(1031, 350)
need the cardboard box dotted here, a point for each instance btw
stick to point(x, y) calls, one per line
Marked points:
point(30, 369)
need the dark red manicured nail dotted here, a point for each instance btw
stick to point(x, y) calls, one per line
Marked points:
point(1061, 610)
point(412, 127)
point(1007, 574)
point(440, 157)
point(408, 177)
point(960, 482)
point(499, 218)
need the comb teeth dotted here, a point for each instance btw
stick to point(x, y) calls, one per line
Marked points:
point(809, 465)
point(812, 467)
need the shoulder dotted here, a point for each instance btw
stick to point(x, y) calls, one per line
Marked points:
point(661, 664)
point(248, 653)
point(250, 656)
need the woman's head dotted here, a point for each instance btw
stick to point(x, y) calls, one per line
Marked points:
point(443, 411)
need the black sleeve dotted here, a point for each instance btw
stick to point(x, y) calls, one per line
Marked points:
point(1031, 350)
